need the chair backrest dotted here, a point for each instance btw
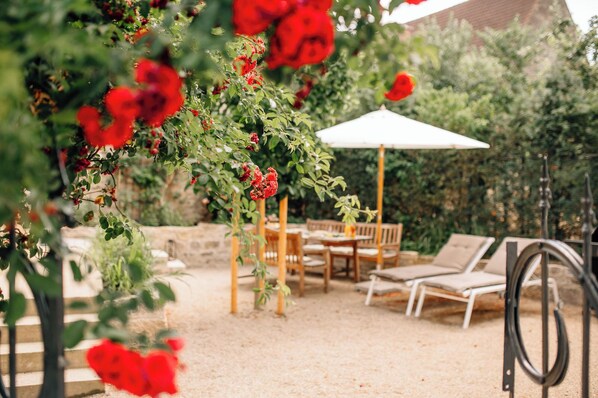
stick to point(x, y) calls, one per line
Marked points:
point(325, 225)
point(391, 234)
point(294, 249)
point(498, 262)
point(462, 252)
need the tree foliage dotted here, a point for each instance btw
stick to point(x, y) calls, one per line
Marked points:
point(527, 93)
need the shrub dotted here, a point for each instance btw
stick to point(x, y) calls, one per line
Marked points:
point(125, 265)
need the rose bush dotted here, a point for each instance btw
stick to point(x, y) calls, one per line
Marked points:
point(90, 85)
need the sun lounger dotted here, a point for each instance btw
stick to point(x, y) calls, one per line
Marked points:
point(466, 287)
point(459, 255)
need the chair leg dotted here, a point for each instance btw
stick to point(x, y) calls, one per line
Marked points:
point(301, 281)
point(331, 266)
point(420, 301)
point(368, 299)
point(326, 271)
point(347, 267)
point(468, 311)
point(411, 301)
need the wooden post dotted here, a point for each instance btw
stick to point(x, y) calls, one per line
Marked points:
point(261, 254)
point(282, 251)
point(234, 267)
point(379, 260)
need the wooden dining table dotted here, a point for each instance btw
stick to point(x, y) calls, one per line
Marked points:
point(330, 239)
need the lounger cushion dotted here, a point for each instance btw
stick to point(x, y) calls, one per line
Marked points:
point(461, 282)
point(498, 262)
point(412, 272)
point(458, 252)
point(381, 287)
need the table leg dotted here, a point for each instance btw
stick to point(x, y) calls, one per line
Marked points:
point(356, 269)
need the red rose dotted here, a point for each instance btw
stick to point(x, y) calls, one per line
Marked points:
point(133, 379)
point(246, 173)
point(162, 97)
point(402, 87)
point(156, 106)
point(105, 360)
point(220, 88)
point(264, 187)
point(415, 2)
point(271, 183)
point(258, 177)
point(322, 5)
point(153, 73)
point(254, 79)
point(158, 3)
point(303, 37)
point(176, 344)
point(251, 17)
point(160, 370)
point(116, 135)
point(302, 94)
point(243, 64)
point(254, 138)
point(121, 102)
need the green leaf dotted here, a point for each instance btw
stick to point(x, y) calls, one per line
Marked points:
point(74, 333)
point(76, 271)
point(165, 291)
point(16, 308)
point(135, 272)
point(148, 300)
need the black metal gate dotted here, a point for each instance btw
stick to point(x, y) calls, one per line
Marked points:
point(581, 268)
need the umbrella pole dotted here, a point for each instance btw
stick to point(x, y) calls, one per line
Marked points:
point(379, 260)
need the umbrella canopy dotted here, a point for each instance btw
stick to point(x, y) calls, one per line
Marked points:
point(385, 129)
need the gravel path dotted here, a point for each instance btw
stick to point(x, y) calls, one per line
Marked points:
point(331, 345)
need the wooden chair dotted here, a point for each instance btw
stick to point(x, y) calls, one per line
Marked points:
point(325, 225)
point(296, 261)
point(368, 250)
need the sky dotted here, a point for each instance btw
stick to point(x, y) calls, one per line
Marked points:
point(581, 10)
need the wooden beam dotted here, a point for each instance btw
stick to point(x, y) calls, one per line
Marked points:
point(261, 254)
point(282, 251)
point(234, 267)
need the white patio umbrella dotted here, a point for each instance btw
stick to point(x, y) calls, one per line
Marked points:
point(385, 129)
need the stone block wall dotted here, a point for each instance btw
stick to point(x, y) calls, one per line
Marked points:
point(201, 246)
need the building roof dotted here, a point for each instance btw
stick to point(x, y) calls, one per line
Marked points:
point(497, 14)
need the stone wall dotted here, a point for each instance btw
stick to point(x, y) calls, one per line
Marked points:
point(201, 246)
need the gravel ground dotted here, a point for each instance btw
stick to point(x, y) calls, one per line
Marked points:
point(331, 345)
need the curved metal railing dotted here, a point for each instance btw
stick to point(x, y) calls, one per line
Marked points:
point(517, 269)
